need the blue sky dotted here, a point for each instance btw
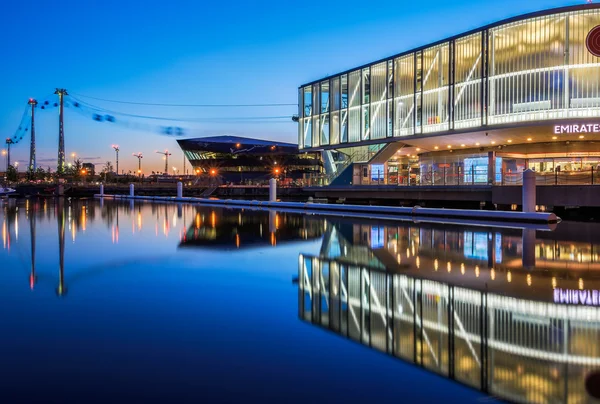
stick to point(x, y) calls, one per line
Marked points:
point(191, 52)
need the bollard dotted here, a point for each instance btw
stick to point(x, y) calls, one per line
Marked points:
point(131, 190)
point(272, 190)
point(529, 197)
point(179, 190)
point(101, 189)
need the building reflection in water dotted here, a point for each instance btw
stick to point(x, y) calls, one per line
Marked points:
point(459, 302)
point(236, 229)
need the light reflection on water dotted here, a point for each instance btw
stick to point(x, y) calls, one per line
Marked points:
point(508, 311)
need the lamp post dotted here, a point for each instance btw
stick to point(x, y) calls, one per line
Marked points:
point(8, 143)
point(116, 147)
point(166, 155)
point(139, 157)
point(4, 155)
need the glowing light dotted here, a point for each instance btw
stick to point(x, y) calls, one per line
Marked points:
point(493, 274)
point(418, 263)
point(449, 266)
point(477, 271)
point(213, 219)
point(529, 139)
point(462, 145)
point(509, 277)
point(477, 144)
point(509, 141)
point(418, 149)
point(436, 147)
point(493, 142)
point(528, 279)
point(580, 284)
point(462, 269)
point(553, 283)
point(213, 171)
point(435, 264)
point(581, 137)
point(449, 146)
point(554, 137)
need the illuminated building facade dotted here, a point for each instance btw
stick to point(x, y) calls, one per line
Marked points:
point(479, 107)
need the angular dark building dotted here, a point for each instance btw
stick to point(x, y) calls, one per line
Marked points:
point(239, 160)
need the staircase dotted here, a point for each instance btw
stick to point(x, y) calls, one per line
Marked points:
point(208, 191)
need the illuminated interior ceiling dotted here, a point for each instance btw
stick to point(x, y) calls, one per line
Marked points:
point(497, 137)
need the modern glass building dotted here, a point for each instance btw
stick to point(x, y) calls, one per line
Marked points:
point(477, 107)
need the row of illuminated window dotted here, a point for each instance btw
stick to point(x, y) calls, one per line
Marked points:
point(533, 70)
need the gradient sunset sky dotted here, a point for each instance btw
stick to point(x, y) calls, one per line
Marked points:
point(199, 52)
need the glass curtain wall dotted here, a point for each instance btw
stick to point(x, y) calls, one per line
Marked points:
point(530, 70)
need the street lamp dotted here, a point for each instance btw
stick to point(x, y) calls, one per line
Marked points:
point(4, 155)
point(73, 156)
point(116, 147)
point(17, 166)
point(139, 157)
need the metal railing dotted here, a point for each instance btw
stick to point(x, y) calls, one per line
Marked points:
point(458, 177)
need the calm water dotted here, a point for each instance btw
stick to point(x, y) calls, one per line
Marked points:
point(120, 302)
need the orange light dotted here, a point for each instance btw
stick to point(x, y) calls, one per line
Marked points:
point(197, 171)
point(238, 145)
point(213, 172)
point(277, 171)
point(139, 171)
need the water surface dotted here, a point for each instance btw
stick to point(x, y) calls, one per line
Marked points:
point(113, 301)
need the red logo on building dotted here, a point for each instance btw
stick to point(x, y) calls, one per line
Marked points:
point(593, 41)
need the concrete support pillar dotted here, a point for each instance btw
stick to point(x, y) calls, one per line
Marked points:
point(529, 190)
point(179, 190)
point(529, 249)
point(101, 189)
point(131, 190)
point(491, 167)
point(272, 190)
